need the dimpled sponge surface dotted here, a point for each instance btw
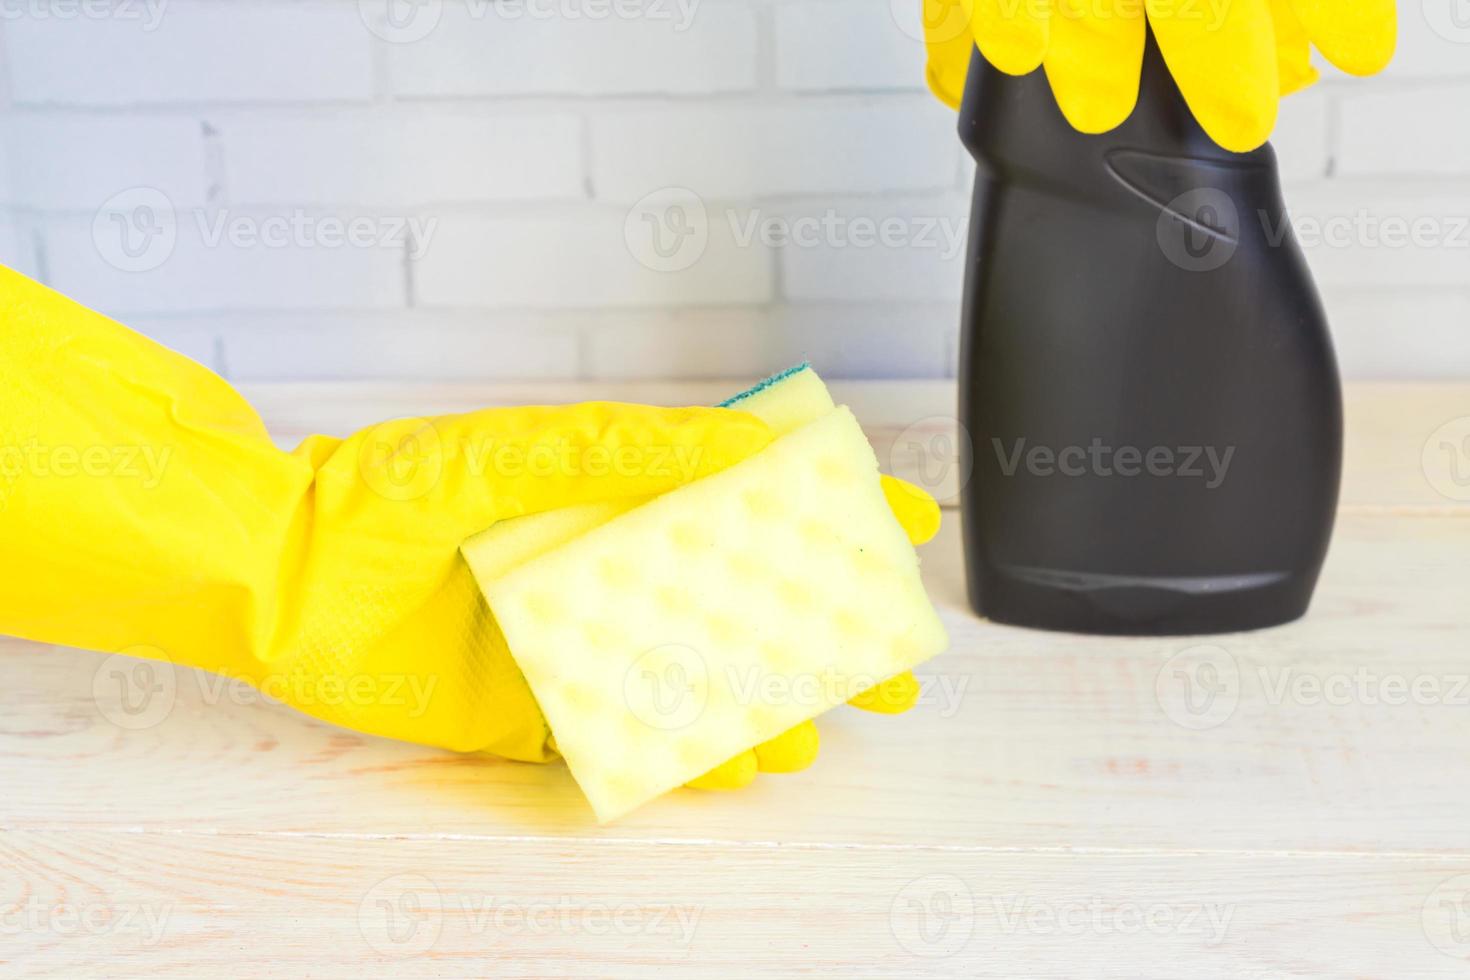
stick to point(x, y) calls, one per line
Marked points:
point(664, 639)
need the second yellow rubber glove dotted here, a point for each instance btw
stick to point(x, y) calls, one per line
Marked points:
point(1232, 59)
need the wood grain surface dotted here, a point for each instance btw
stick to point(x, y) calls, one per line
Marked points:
point(1288, 803)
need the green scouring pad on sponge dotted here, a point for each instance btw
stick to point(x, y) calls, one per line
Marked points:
point(662, 637)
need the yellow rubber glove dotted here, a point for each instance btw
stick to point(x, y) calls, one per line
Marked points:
point(1232, 59)
point(1293, 49)
point(145, 510)
point(1094, 61)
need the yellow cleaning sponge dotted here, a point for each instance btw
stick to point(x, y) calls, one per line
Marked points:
point(664, 638)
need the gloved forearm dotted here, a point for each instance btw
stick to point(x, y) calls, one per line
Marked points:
point(135, 485)
point(329, 576)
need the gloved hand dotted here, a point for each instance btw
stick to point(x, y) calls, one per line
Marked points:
point(1231, 59)
point(145, 509)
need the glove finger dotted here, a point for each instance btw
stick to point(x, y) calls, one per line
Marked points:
point(916, 510)
point(733, 773)
point(892, 697)
point(1011, 34)
point(1225, 66)
point(948, 42)
point(1094, 60)
point(1293, 49)
point(1357, 36)
point(791, 751)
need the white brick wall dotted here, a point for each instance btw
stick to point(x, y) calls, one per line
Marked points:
point(484, 50)
point(65, 162)
point(577, 258)
point(159, 51)
point(406, 158)
point(870, 51)
point(812, 146)
point(472, 189)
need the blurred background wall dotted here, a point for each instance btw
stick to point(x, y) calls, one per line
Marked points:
point(295, 189)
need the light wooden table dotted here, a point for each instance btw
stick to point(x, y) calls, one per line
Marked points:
point(1059, 806)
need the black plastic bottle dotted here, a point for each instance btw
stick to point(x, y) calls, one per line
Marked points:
point(1152, 400)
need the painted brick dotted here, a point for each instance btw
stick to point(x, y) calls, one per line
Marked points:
point(1359, 234)
point(405, 345)
point(1300, 139)
point(402, 160)
point(845, 44)
point(1418, 131)
point(202, 272)
point(843, 342)
point(170, 51)
point(18, 247)
point(719, 151)
point(576, 259)
point(1433, 40)
point(859, 251)
point(477, 49)
point(1400, 334)
point(79, 162)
